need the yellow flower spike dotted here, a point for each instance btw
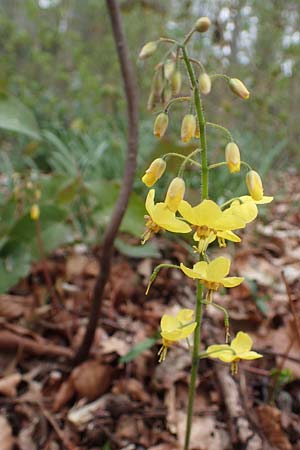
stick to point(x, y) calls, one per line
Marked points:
point(161, 218)
point(213, 274)
point(238, 88)
point(211, 223)
point(175, 194)
point(188, 127)
point(148, 50)
point(254, 185)
point(175, 328)
point(34, 212)
point(240, 348)
point(161, 124)
point(204, 82)
point(202, 24)
point(169, 68)
point(176, 82)
point(154, 172)
point(233, 158)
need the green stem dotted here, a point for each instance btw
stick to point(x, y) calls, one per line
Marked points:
point(219, 127)
point(186, 158)
point(155, 273)
point(195, 364)
point(219, 75)
point(176, 99)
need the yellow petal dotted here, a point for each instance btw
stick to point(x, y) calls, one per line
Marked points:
point(229, 222)
point(201, 268)
point(185, 316)
point(264, 200)
point(174, 335)
point(246, 211)
point(241, 343)
point(169, 323)
point(190, 273)
point(166, 219)
point(208, 240)
point(229, 235)
point(149, 204)
point(207, 213)
point(222, 352)
point(187, 330)
point(218, 269)
point(230, 282)
point(187, 211)
point(250, 355)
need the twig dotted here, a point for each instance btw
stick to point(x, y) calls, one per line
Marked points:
point(65, 441)
point(130, 88)
point(284, 355)
point(292, 306)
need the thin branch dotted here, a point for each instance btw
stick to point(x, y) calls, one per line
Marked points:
point(130, 88)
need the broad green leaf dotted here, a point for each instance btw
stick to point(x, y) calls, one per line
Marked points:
point(15, 116)
point(13, 267)
point(148, 250)
point(138, 349)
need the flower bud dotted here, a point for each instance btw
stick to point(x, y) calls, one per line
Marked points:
point(157, 84)
point(175, 193)
point(238, 88)
point(232, 156)
point(169, 68)
point(204, 82)
point(254, 185)
point(160, 124)
point(151, 101)
point(176, 82)
point(148, 50)
point(34, 212)
point(197, 129)
point(188, 127)
point(154, 172)
point(167, 94)
point(202, 24)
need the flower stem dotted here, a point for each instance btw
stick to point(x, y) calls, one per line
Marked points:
point(217, 126)
point(195, 364)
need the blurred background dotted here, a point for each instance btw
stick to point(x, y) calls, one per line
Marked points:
point(63, 118)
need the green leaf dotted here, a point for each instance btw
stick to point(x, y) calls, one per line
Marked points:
point(13, 267)
point(15, 116)
point(148, 250)
point(138, 349)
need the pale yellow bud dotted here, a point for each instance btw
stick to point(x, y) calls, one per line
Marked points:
point(188, 127)
point(176, 82)
point(238, 88)
point(148, 50)
point(254, 185)
point(161, 124)
point(197, 129)
point(204, 83)
point(169, 68)
point(34, 212)
point(202, 24)
point(167, 95)
point(175, 194)
point(151, 101)
point(154, 172)
point(158, 84)
point(233, 158)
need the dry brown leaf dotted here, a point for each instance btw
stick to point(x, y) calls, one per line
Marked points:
point(114, 344)
point(133, 388)
point(91, 379)
point(270, 422)
point(25, 440)
point(14, 306)
point(8, 384)
point(64, 394)
point(7, 440)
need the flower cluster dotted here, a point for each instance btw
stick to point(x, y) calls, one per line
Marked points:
point(207, 221)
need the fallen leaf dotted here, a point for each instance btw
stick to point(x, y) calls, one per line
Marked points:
point(7, 440)
point(8, 384)
point(270, 423)
point(91, 379)
point(64, 394)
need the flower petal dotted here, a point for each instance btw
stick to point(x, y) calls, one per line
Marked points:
point(201, 268)
point(264, 200)
point(251, 355)
point(149, 204)
point(230, 282)
point(229, 235)
point(166, 219)
point(207, 213)
point(246, 211)
point(187, 211)
point(187, 330)
point(185, 316)
point(218, 268)
point(241, 343)
point(174, 335)
point(222, 352)
point(169, 323)
point(190, 272)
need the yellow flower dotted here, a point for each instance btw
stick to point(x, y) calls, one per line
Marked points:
point(211, 223)
point(204, 82)
point(188, 127)
point(175, 193)
point(247, 198)
point(254, 185)
point(233, 158)
point(35, 212)
point(148, 50)
point(212, 274)
point(154, 172)
point(160, 125)
point(240, 348)
point(175, 328)
point(161, 218)
point(238, 88)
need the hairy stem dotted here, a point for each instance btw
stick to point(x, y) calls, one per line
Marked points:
point(130, 88)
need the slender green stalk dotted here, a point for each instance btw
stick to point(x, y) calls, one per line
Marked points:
point(177, 99)
point(217, 126)
point(195, 364)
point(186, 158)
point(198, 312)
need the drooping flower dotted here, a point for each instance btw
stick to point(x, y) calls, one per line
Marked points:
point(161, 218)
point(34, 212)
point(175, 328)
point(238, 88)
point(233, 158)
point(160, 124)
point(148, 50)
point(188, 127)
point(213, 274)
point(240, 348)
point(254, 185)
point(175, 193)
point(211, 223)
point(154, 172)
point(204, 82)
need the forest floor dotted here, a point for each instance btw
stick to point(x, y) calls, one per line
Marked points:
point(109, 404)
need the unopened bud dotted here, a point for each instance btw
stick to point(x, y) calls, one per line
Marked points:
point(176, 82)
point(197, 129)
point(161, 124)
point(233, 158)
point(254, 185)
point(204, 83)
point(202, 24)
point(188, 127)
point(148, 50)
point(175, 193)
point(169, 68)
point(34, 212)
point(157, 84)
point(238, 88)
point(151, 101)
point(154, 172)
